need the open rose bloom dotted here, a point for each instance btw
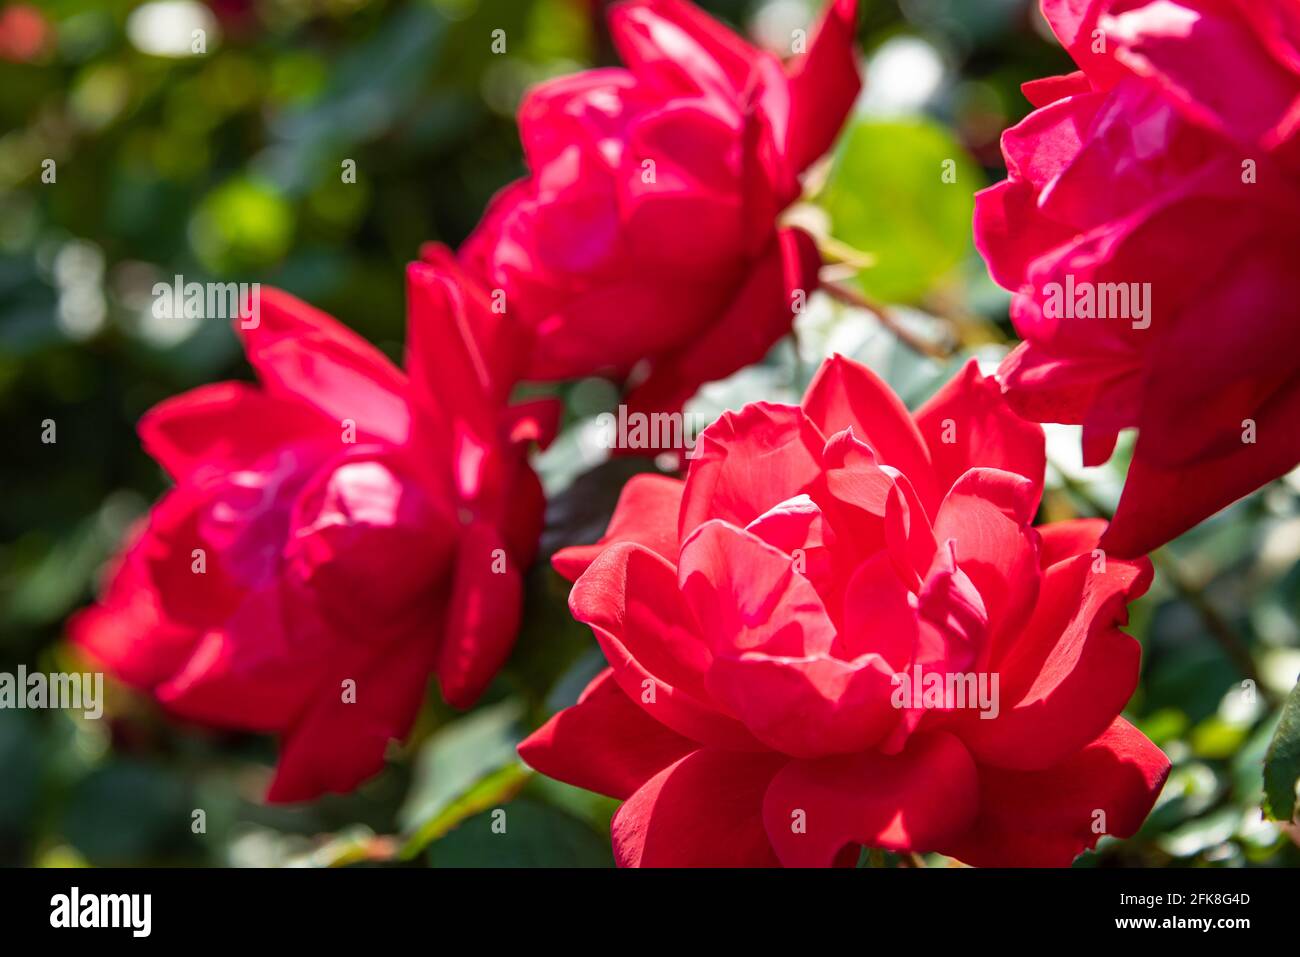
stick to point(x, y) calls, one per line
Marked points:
point(759, 616)
point(646, 238)
point(1165, 173)
point(335, 535)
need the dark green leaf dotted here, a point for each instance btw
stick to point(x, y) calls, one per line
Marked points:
point(1282, 763)
point(524, 834)
point(478, 749)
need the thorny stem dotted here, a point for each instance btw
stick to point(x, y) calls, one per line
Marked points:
point(1233, 645)
point(883, 314)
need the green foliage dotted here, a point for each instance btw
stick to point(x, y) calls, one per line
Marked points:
point(228, 167)
point(466, 767)
point(901, 191)
point(1282, 763)
point(125, 811)
point(526, 834)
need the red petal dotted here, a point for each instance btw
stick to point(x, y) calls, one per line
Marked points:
point(1074, 22)
point(1158, 504)
point(880, 615)
point(486, 599)
point(872, 508)
point(604, 743)
point(365, 527)
point(164, 562)
point(687, 220)
point(582, 109)
point(1062, 540)
point(680, 49)
point(646, 513)
point(748, 461)
point(808, 706)
point(1070, 673)
point(989, 515)
point(1043, 387)
point(577, 338)
point(761, 311)
point(1191, 458)
point(629, 597)
point(129, 631)
point(824, 84)
point(300, 352)
point(338, 744)
point(1011, 232)
point(968, 424)
point(449, 374)
point(225, 427)
point(954, 621)
point(703, 811)
point(1184, 49)
point(1046, 818)
point(845, 394)
point(746, 595)
point(248, 674)
point(1047, 90)
point(913, 801)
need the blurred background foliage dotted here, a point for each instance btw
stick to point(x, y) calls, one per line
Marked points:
point(225, 165)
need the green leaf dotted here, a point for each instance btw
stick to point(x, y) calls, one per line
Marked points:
point(23, 760)
point(1282, 763)
point(887, 196)
point(526, 834)
point(128, 812)
point(1201, 834)
point(465, 767)
point(570, 685)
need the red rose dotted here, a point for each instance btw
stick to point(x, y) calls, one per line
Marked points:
point(334, 536)
point(1161, 181)
point(646, 235)
point(25, 33)
point(755, 618)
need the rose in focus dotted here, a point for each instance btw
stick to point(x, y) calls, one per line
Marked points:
point(754, 618)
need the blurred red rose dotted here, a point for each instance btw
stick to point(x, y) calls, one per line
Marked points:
point(646, 236)
point(1161, 182)
point(24, 33)
point(755, 618)
point(335, 535)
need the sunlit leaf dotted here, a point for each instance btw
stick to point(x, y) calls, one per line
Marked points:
point(1282, 763)
point(903, 191)
point(468, 762)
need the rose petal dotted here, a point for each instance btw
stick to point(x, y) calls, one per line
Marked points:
point(646, 513)
point(913, 801)
point(1046, 818)
point(604, 743)
point(706, 810)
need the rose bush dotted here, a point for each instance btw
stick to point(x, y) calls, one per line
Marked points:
point(1172, 157)
point(653, 198)
point(334, 536)
point(755, 615)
